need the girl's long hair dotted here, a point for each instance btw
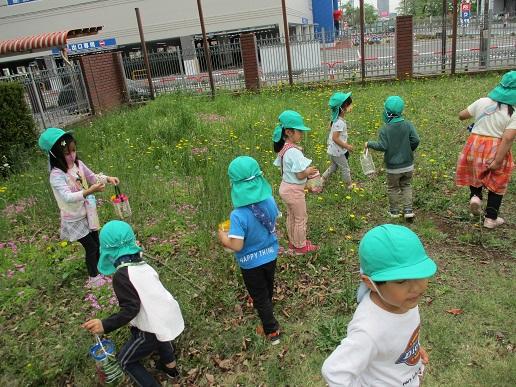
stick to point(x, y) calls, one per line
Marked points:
point(277, 146)
point(510, 108)
point(56, 154)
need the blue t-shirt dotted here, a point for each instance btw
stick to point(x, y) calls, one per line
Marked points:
point(260, 246)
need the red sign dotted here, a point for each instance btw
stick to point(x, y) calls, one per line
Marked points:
point(102, 43)
point(465, 7)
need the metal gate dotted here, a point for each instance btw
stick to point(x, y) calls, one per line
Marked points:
point(56, 97)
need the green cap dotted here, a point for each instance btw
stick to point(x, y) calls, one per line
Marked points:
point(393, 105)
point(289, 119)
point(248, 185)
point(505, 92)
point(116, 240)
point(391, 252)
point(49, 137)
point(335, 102)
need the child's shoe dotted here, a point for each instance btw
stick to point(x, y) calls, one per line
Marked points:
point(307, 248)
point(493, 223)
point(274, 337)
point(408, 214)
point(394, 213)
point(475, 205)
point(170, 372)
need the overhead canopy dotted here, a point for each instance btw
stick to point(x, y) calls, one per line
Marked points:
point(42, 42)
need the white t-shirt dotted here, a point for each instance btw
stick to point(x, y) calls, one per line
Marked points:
point(491, 120)
point(294, 161)
point(341, 127)
point(380, 349)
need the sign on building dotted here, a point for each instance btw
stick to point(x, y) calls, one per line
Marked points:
point(89, 46)
point(16, 2)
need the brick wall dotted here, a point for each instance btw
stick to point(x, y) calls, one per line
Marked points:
point(249, 51)
point(104, 80)
point(404, 47)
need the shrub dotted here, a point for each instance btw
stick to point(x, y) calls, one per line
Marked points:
point(17, 129)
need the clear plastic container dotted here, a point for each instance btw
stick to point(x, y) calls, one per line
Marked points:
point(367, 163)
point(314, 183)
point(121, 204)
point(91, 212)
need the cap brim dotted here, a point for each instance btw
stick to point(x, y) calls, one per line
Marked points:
point(424, 269)
point(303, 128)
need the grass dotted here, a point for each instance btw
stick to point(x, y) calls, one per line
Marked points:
point(171, 157)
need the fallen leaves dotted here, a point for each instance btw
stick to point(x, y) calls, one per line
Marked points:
point(455, 311)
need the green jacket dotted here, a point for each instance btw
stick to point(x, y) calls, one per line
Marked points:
point(398, 140)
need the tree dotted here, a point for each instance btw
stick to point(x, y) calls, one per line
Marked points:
point(352, 15)
point(423, 8)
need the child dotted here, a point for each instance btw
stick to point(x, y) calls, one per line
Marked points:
point(486, 159)
point(252, 235)
point(382, 344)
point(151, 311)
point(338, 147)
point(295, 169)
point(69, 179)
point(398, 140)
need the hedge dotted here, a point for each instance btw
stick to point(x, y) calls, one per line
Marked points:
point(17, 130)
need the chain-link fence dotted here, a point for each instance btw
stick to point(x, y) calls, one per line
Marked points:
point(56, 97)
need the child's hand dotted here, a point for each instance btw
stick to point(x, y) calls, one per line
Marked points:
point(311, 171)
point(113, 180)
point(350, 148)
point(97, 187)
point(94, 326)
point(365, 146)
point(223, 236)
point(424, 355)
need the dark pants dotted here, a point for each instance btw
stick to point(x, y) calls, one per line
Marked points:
point(494, 201)
point(140, 345)
point(260, 285)
point(91, 244)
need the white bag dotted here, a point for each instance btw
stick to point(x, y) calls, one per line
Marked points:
point(367, 163)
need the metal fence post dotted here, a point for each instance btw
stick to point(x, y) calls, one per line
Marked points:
point(362, 41)
point(443, 37)
point(36, 97)
point(454, 37)
point(484, 36)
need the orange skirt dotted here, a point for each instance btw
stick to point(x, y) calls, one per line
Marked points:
point(472, 165)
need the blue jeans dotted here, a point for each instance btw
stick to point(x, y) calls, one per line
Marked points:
point(140, 345)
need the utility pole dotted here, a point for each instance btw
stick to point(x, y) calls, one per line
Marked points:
point(287, 42)
point(207, 52)
point(145, 56)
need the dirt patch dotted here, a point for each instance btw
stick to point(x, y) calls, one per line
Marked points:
point(212, 117)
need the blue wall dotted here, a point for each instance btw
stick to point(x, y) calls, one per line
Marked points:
point(323, 17)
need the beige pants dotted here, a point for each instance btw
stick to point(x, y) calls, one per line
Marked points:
point(293, 195)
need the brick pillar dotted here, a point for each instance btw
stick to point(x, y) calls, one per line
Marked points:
point(404, 47)
point(250, 61)
point(104, 80)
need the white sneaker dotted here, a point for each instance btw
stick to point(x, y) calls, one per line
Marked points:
point(475, 204)
point(493, 223)
point(394, 214)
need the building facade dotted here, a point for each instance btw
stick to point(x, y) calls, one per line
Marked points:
point(167, 23)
